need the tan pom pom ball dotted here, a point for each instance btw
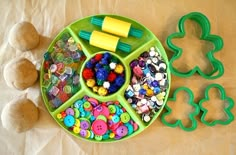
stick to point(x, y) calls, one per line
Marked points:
point(23, 36)
point(19, 115)
point(20, 73)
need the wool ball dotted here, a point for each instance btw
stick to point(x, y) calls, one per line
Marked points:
point(19, 115)
point(23, 36)
point(20, 73)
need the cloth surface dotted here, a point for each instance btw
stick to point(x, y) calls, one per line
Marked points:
point(161, 17)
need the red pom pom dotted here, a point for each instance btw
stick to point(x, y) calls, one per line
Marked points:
point(88, 73)
point(111, 77)
point(98, 57)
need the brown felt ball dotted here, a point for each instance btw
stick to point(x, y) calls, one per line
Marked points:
point(19, 115)
point(23, 36)
point(20, 73)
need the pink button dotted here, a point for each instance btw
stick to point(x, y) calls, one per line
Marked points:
point(99, 127)
point(101, 110)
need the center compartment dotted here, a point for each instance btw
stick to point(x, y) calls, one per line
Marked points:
point(104, 75)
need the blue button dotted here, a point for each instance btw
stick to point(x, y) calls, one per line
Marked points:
point(69, 121)
point(115, 119)
point(130, 128)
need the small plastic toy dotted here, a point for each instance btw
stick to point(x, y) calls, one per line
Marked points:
point(104, 41)
point(117, 27)
point(191, 115)
point(218, 69)
point(226, 109)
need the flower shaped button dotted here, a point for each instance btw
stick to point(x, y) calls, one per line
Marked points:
point(191, 115)
point(218, 69)
point(227, 109)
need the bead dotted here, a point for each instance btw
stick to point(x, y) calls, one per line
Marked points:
point(138, 71)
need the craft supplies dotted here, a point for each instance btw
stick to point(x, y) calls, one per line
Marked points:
point(105, 72)
point(100, 121)
point(149, 83)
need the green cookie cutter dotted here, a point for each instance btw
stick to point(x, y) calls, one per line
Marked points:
point(227, 109)
point(191, 115)
point(216, 40)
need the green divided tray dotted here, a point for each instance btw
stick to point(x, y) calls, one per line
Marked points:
point(80, 91)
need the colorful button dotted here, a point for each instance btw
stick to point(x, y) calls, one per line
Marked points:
point(122, 131)
point(112, 109)
point(69, 121)
point(125, 117)
point(99, 127)
point(70, 111)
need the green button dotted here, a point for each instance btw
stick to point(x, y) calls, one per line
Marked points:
point(87, 105)
point(97, 137)
point(125, 117)
point(102, 117)
point(112, 109)
point(77, 113)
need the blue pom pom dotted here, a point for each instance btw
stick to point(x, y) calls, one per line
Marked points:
point(119, 81)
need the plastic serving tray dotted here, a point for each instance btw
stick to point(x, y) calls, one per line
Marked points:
point(139, 45)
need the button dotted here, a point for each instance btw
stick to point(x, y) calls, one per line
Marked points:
point(76, 129)
point(59, 116)
point(99, 127)
point(122, 131)
point(69, 121)
point(125, 117)
point(98, 138)
point(102, 117)
point(130, 128)
point(70, 111)
point(77, 122)
point(101, 110)
point(112, 109)
point(115, 118)
point(83, 133)
point(77, 113)
point(84, 124)
point(87, 106)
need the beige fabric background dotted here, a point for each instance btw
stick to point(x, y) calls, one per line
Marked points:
point(161, 17)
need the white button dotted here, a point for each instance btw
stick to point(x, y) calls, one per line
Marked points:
point(143, 101)
point(146, 118)
point(158, 76)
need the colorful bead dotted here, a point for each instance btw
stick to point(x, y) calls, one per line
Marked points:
point(149, 82)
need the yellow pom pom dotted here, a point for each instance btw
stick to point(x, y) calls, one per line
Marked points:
point(102, 91)
point(95, 89)
point(119, 69)
point(90, 82)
